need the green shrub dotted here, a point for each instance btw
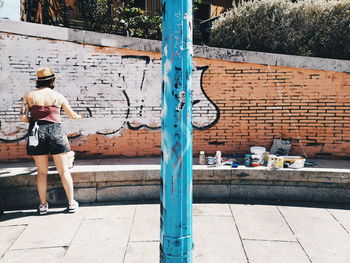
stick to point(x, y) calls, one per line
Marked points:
point(135, 22)
point(318, 28)
point(127, 19)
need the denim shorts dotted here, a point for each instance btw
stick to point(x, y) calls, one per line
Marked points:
point(52, 139)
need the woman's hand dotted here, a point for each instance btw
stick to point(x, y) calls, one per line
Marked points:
point(69, 111)
point(78, 116)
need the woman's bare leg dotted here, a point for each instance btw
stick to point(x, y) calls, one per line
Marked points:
point(42, 165)
point(66, 178)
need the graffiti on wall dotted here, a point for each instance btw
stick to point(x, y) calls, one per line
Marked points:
point(113, 91)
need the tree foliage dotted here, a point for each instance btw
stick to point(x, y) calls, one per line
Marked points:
point(136, 22)
point(309, 28)
point(95, 14)
point(126, 19)
point(100, 16)
point(55, 12)
point(104, 16)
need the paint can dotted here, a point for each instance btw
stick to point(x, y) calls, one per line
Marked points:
point(270, 161)
point(255, 160)
point(210, 160)
point(278, 164)
point(201, 157)
point(266, 157)
point(247, 160)
point(218, 158)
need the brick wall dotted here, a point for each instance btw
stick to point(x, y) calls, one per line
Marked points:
point(235, 105)
point(258, 103)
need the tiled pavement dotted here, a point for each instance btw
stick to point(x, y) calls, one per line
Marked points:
point(227, 232)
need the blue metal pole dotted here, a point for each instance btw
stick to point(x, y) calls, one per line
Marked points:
point(176, 158)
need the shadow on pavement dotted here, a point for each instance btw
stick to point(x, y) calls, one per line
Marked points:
point(10, 215)
point(340, 206)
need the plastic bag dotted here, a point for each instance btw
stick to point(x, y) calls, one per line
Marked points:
point(33, 136)
point(280, 147)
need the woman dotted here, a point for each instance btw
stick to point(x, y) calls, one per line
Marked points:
point(41, 108)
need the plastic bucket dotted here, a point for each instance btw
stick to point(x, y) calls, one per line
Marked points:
point(258, 150)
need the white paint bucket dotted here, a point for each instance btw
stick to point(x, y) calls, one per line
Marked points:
point(258, 150)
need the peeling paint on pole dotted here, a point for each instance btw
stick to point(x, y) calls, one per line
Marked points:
point(176, 159)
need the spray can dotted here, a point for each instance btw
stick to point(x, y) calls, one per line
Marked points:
point(201, 157)
point(266, 158)
point(247, 160)
point(218, 158)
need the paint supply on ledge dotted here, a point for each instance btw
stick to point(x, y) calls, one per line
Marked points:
point(201, 157)
point(247, 160)
point(278, 163)
point(258, 151)
point(295, 162)
point(210, 160)
point(255, 160)
point(271, 161)
point(218, 159)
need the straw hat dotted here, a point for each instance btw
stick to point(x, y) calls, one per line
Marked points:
point(45, 74)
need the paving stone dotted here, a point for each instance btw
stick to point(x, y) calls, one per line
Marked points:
point(322, 237)
point(100, 233)
point(342, 216)
point(100, 240)
point(11, 218)
point(261, 222)
point(52, 230)
point(8, 234)
point(145, 252)
point(211, 209)
point(37, 255)
point(109, 211)
point(216, 240)
point(146, 225)
point(259, 251)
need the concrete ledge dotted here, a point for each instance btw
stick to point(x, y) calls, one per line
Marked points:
point(100, 183)
point(108, 40)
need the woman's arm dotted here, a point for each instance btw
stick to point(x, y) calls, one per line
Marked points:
point(68, 110)
point(24, 110)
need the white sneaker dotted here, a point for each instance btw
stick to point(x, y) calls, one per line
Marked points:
point(73, 207)
point(42, 209)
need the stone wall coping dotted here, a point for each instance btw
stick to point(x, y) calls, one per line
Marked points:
point(142, 182)
point(108, 40)
point(24, 176)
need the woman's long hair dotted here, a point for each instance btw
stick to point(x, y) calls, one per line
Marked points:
point(46, 83)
